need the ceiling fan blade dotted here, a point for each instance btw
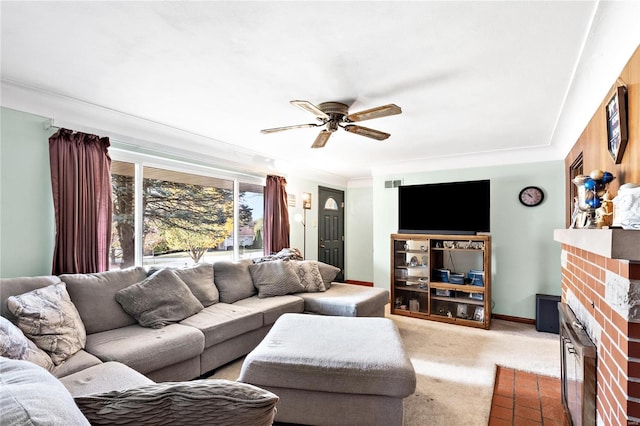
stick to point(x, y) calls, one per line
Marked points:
point(381, 111)
point(308, 106)
point(295, 126)
point(365, 131)
point(322, 139)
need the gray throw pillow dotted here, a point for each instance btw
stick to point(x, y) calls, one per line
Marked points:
point(233, 280)
point(328, 272)
point(95, 297)
point(49, 318)
point(199, 279)
point(275, 278)
point(15, 345)
point(309, 275)
point(159, 300)
point(30, 395)
point(203, 401)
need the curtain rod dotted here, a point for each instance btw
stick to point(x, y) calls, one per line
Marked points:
point(48, 125)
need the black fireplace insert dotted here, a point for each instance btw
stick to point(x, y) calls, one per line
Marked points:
point(578, 369)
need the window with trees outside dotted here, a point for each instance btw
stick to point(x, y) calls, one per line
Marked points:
point(186, 218)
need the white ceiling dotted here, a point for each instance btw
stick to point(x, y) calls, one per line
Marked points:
point(478, 82)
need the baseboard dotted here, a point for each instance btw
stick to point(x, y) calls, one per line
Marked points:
point(363, 283)
point(514, 319)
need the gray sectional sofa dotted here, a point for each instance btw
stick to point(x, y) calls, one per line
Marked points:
point(147, 321)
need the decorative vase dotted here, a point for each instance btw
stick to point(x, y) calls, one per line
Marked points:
point(592, 190)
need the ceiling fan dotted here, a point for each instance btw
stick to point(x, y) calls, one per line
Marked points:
point(334, 115)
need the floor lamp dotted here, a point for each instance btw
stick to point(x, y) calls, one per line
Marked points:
point(306, 205)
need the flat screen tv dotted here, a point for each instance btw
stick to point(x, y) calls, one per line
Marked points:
point(444, 208)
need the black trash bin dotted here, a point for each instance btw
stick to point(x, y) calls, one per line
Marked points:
point(547, 317)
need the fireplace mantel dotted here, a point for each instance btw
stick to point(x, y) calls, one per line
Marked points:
point(610, 243)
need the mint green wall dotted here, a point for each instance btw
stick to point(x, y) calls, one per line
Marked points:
point(525, 259)
point(27, 222)
point(359, 234)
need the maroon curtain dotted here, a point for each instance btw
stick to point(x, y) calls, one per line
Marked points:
point(276, 215)
point(81, 184)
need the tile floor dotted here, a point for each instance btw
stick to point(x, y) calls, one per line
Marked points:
point(523, 399)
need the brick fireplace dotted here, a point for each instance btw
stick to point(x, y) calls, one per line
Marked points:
point(601, 284)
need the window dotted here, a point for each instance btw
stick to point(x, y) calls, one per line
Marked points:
point(186, 217)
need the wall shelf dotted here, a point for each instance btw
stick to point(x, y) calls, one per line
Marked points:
point(419, 290)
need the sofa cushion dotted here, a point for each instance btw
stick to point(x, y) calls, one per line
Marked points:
point(49, 318)
point(275, 278)
point(347, 300)
point(273, 307)
point(223, 321)
point(95, 297)
point(204, 401)
point(199, 279)
point(233, 280)
point(76, 362)
point(30, 395)
point(105, 377)
point(159, 300)
point(309, 275)
point(15, 345)
point(328, 273)
point(147, 349)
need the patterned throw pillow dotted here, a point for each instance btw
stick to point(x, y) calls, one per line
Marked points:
point(15, 345)
point(49, 318)
point(275, 278)
point(309, 275)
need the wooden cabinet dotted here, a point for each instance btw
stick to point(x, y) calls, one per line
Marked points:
point(442, 277)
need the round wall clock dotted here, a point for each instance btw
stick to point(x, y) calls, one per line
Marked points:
point(531, 196)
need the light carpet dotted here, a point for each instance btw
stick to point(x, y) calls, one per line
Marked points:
point(456, 366)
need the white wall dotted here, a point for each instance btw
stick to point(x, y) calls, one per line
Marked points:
point(525, 259)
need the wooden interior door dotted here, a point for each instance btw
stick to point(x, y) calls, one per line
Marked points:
point(331, 228)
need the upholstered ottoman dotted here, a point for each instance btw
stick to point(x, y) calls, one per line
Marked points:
point(333, 370)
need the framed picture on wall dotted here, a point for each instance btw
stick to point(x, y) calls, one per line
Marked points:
point(616, 111)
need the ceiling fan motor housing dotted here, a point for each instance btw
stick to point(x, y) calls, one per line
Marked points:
point(334, 115)
point(336, 112)
point(334, 108)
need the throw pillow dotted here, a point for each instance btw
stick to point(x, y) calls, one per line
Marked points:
point(199, 279)
point(49, 318)
point(328, 272)
point(161, 299)
point(203, 401)
point(275, 278)
point(233, 280)
point(309, 275)
point(30, 395)
point(15, 345)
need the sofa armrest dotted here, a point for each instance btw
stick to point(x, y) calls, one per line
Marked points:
point(197, 402)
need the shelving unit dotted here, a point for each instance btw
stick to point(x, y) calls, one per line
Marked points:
point(443, 278)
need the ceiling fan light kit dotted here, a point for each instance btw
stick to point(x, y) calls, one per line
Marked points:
point(334, 115)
